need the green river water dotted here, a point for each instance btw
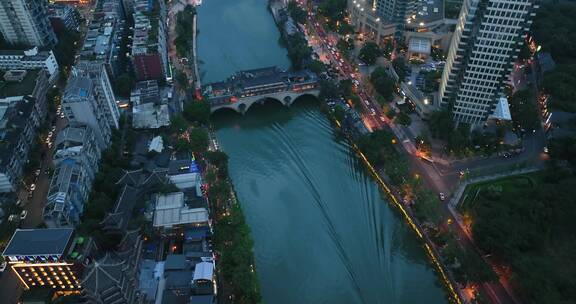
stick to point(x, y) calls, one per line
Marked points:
point(321, 229)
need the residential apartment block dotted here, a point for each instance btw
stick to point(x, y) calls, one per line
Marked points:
point(25, 22)
point(485, 44)
point(22, 110)
point(81, 104)
point(76, 156)
point(103, 87)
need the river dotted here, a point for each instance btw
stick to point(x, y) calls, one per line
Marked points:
point(322, 231)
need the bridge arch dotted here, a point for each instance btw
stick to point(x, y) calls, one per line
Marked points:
point(225, 111)
point(242, 107)
point(301, 97)
point(263, 100)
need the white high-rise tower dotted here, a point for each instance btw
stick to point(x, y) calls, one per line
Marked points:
point(485, 44)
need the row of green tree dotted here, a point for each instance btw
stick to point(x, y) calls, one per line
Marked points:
point(104, 194)
point(298, 50)
point(232, 238)
point(184, 31)
point(554, 28)
point(335, 13)
point(531, 228)
point(467, 266)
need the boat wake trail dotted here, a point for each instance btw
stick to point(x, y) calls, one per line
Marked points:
point(294, 155)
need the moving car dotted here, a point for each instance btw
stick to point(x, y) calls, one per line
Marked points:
point(23, 214)
point(442, 196)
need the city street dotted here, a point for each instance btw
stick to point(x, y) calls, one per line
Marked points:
point(36, 204)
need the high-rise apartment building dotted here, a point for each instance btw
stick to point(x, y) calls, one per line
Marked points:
point(76, 157)
point(83, 103)
point(485, 44)
point(106, 100)
point(25, 22)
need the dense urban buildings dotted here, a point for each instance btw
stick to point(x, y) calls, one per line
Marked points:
point(22, 110)
point(149, 52)
point(104, 36)
point(25, 22)
point(485, 45)
point(63, 17)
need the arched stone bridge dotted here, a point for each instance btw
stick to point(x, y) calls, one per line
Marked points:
point(247, 88)
point(243, 104)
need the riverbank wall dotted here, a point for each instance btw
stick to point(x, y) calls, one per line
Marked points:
point(196, 74)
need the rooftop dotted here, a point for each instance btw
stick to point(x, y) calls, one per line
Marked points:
point(39, 242)
point(30, 54)
point(78, 87)
point(150, 116)
point(104, 31)
point(182, 166)
point(145, 92)
point(201, 299)
point(72, 136)
point(19, 88)
point(175, 262)
point(146, 25)
point(171, 210)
